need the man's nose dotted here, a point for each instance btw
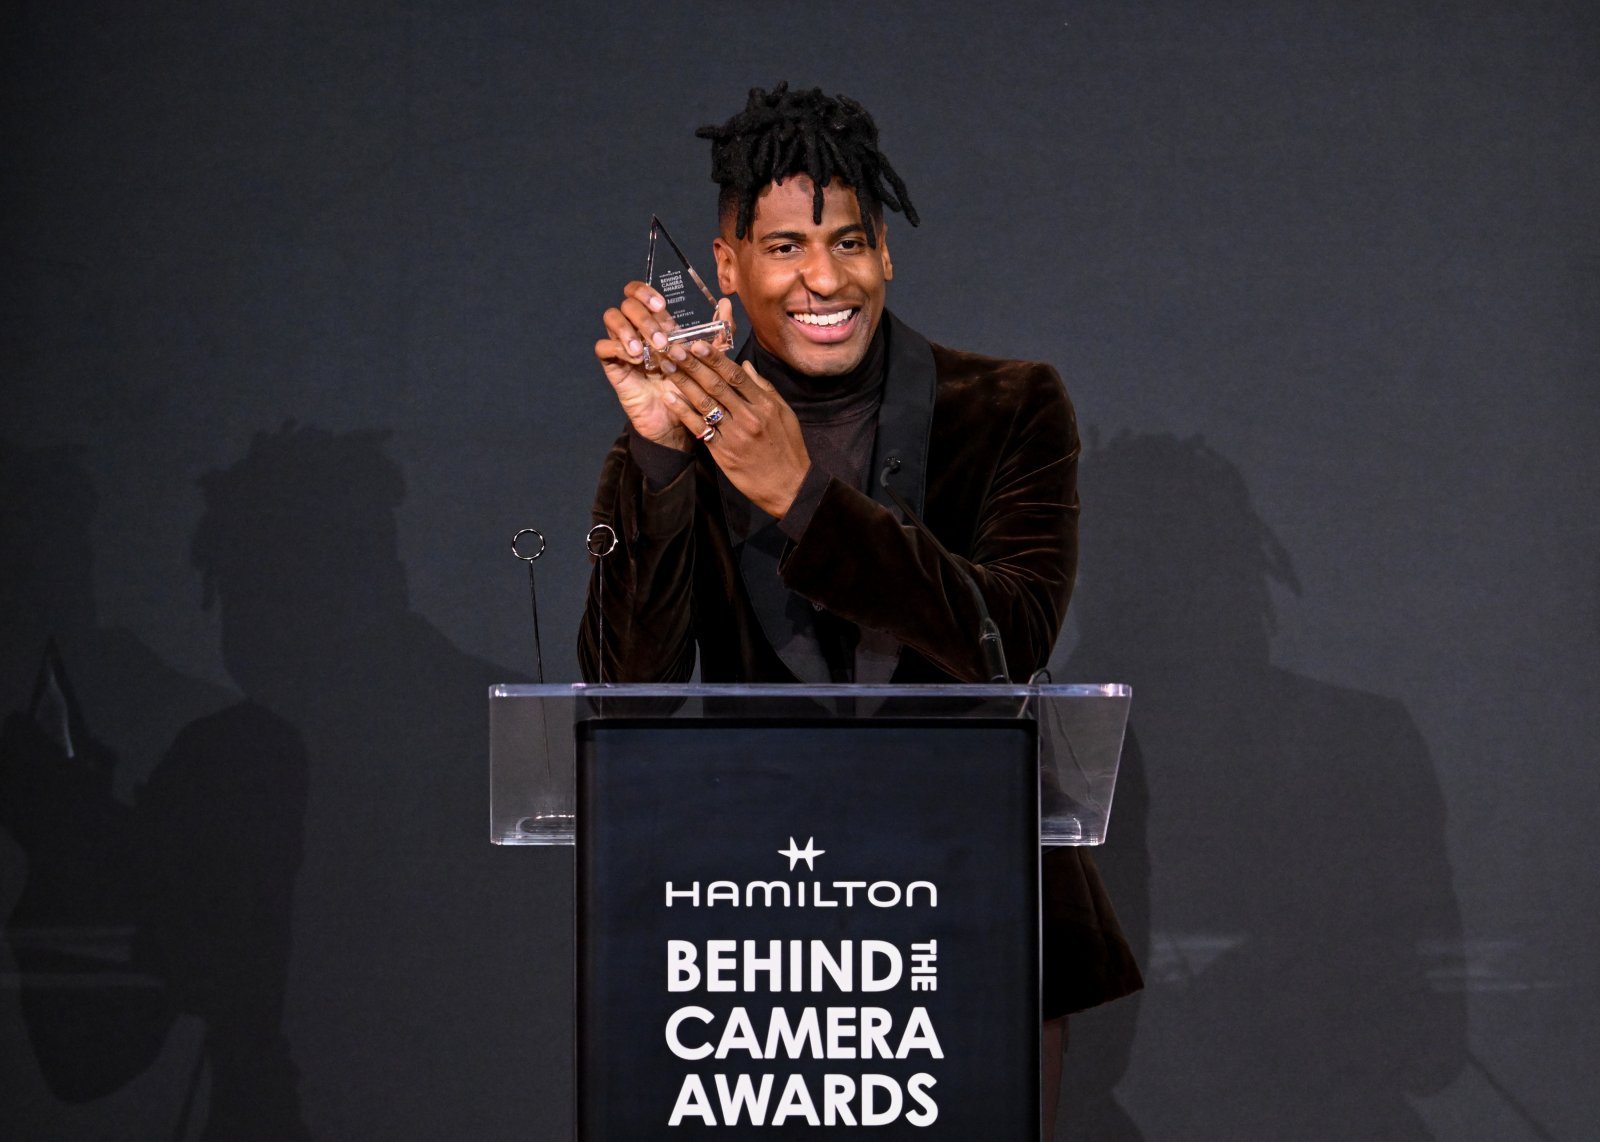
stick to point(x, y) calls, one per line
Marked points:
point(820, 272)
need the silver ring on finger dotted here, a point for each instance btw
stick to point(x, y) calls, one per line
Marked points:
point(714, 417)
point(709, 434)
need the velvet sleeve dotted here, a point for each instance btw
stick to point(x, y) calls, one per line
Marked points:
point(858, 560)
point(637, 620)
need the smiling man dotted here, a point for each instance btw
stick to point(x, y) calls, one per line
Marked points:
point(752, 530)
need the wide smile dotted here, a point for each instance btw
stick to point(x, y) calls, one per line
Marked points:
point(826, 328)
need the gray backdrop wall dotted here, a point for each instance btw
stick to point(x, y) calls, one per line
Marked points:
point(1322, 279)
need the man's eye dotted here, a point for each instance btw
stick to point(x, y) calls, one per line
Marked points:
point(851, 245)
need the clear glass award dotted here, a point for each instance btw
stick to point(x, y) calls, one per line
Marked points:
point(689, 303)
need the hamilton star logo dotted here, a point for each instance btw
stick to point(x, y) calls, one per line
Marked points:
point(795, 853)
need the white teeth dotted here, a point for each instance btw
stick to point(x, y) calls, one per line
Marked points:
point(824, 318)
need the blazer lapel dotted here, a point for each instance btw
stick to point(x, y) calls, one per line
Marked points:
point(906, 417)
point(900, 450)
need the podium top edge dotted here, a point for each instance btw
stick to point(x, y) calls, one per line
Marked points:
point(792, 690)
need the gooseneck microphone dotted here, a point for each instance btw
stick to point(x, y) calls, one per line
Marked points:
point(990, 648)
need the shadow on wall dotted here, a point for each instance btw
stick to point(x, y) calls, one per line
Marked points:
point(125, 917)
point(304, 874)
point(133, 700)
point(410, 993)
point(1277, 849)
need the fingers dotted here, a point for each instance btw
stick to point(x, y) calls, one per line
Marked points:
point(639, 322)
point(722, 380)
point(608, 351)
point(652, 326)
point(645, 303)
point(691, 408)
point(760, 381)
point(639, 330)
point(624, 349)
point(715, 372)
point(649, 299)
point(699, 400)
point(624, 342)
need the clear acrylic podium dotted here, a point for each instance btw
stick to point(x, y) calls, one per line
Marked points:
point(806, 909)
point(533, 748)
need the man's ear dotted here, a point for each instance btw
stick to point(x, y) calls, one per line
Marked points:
point(883, 251)
point(727, 266)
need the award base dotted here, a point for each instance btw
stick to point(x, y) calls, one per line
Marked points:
point(715, 332)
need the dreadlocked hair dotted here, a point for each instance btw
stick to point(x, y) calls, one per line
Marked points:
point(780, 133)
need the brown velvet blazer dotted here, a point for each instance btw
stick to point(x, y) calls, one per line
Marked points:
point(987, 454)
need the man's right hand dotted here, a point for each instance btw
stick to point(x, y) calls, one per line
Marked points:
point(641, 319)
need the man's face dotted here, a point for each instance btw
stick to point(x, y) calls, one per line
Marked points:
point(813, 291)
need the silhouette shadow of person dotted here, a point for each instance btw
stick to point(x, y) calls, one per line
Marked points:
point(89, 708)
point(1277, 849)
point(414, 940)
point(132, 699)
point(219, 829)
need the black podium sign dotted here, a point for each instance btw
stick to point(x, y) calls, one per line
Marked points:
point(801, 928)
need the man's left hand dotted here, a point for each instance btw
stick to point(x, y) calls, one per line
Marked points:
point(757, 442)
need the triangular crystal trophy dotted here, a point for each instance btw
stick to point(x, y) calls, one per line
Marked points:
point(689, 303)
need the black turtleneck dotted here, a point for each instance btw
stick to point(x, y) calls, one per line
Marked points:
point(838, 417)
point(828, 395)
